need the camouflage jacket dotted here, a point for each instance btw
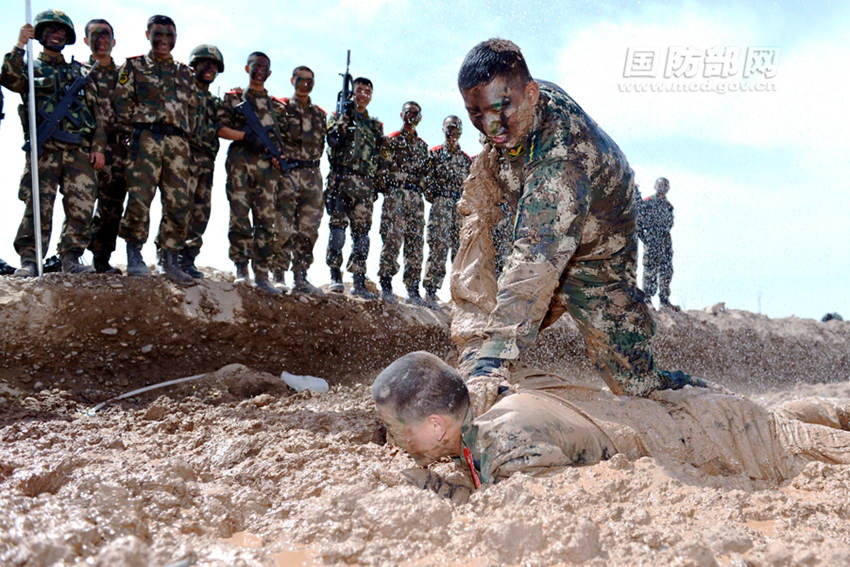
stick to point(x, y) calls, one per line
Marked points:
point(574, 193)
point(204, 123)
point(654, 219)
point(360, 142)
point(446, 171)
point(303, 128)
point(268, 110)
point(404, 161)
point(52, 76)
point(150, 91)
point(105, 79)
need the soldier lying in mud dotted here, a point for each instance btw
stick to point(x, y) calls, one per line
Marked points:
point(547, 423)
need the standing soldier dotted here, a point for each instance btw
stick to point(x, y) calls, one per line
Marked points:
point(303, 129)
point(252, 175)
point(654, 222)
point(5, 269)
point(449, 166)
point(152, 105)
point(402, 216)
point(111, 181)
point(207, 62)
point(354, 141)
point(66, 155)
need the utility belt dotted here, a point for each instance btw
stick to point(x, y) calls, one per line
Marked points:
point(300, 163)
point(158, 129)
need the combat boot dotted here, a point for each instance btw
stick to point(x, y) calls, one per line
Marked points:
point(187, 263)
point(431, 300)
point(28, 269)
point(387, 290)
point(242, 272)
point(413, 297)
point(6, 269)
point(301, 285)
point(171, 268)
point(336, 281)
point(135, 265)
point(102, 266)
point(262, 283)
point(359, 289)
point(71, 263)
point(280, 278)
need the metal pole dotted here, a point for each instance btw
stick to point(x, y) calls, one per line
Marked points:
point(36, 202)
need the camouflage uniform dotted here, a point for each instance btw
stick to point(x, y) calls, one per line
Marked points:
point(448, 168)
point(303, 129)
point(351, 186)
point(252, 183)
point(654, 222)
point(573, 249)
point(111, 178)
point(402, 215)
point(61, 164)
point(152, 103)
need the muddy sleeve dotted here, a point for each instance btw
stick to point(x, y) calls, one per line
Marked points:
point(14, 76)
point(550, 217)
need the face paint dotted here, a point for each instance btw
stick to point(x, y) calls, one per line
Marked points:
point(163, 38)
point(206, 70)
point(259, 69)
point(54, 37)
point(501, 110)
point(303, 84)
point(100, 40)
point(411, 114)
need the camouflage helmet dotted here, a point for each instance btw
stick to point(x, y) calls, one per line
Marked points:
point(47, 17)
point(207, 51)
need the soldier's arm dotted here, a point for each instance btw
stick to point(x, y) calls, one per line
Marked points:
point(13, 75)
point(94, 102)
point(337, 130)
point(225, 122)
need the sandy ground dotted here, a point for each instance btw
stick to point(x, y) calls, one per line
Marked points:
point(238, 469)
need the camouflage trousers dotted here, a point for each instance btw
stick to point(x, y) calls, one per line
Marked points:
point(252, 183)
point(200, 184)
point(443, 237)
point(350, 202)
point(68, 168)
point(306, 216)
point(402, 222)
point(658, 269)
point(160, 161)
point(111, 191)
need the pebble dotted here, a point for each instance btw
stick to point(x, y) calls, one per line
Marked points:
point(147, 348)
point(109, 331)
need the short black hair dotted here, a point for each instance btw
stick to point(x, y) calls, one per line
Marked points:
point(162, 20)
point(490, 59)
point(363, 81)
point(259, 54)
point(419, 384)
point(99, 21)
point(303, 68)
point(419, 106)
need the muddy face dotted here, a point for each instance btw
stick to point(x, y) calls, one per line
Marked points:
point(100, 40)
point(163, 37)
point(411, 114)
point(303, 82)
point(502, 110)
point(259, 68)
point(54, 37)
point(206, 70)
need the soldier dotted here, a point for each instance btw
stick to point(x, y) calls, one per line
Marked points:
point(70, 156)
point(111, 180)
point(207, 62)
point(402, 215)
point(252, 177)
point(573, 247)
point(654, 222)
point(5, 269)
point(152, 106)
point(303, 129)
point(548, 423)
point(449, 166)
point(354, 144)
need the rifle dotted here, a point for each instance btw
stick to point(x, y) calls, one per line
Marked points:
point(262, 134)
point(49, 127)
point(344, 104)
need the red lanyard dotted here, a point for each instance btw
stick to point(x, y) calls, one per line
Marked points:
point(468, 456)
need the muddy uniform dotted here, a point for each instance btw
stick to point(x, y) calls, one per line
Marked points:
point(447, 170)
point(402, 215)
point(252, 182)
point(152, 105)
point(111, 178)
point(64, 164)
point(354, 147)
point(303, 130)
point(654, 222)
point(554, 426)
point(573, 249)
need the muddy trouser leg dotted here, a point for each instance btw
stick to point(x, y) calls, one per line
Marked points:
point(79, 189)
point(650, 271)
point(337, 210)
point(239, 187)
point(265, 210)
point(49, 176)
point(111, 191)
point(174, 194)
point(143, 177)
point(286, 202)
point(392, 232)
point(200, 190)
point(665, 272)
point(438, 246)
point(308, 216)
point(414, 228)
point(813, 442)
point(361, 223)
point(603, 300)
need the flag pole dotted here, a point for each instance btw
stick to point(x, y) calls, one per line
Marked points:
point(35, 201)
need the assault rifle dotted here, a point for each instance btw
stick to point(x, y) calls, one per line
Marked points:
point(344, 104)
point(262, 134)
point(49, 127)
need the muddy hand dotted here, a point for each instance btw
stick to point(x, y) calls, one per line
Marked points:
point(428, 480)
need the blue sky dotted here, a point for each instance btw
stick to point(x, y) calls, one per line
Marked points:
point(757, 178)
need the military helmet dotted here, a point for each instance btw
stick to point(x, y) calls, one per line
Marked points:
point(207, 51)
point(44, 19)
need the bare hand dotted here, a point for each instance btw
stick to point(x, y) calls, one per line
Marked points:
point(98, 160)
point(27, 32)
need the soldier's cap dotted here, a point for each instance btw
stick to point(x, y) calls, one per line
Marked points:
point(207, 51)
point(47, 17)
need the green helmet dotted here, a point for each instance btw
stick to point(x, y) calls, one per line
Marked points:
point(43, 19)
point(207, 51)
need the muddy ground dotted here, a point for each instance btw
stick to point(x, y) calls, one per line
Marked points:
point(238, 469)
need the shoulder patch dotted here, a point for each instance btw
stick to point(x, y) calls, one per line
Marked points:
point(322, 110)
point(124, 76)
point(282, 100)
point(437, 148)
point(234, 92)
point(394, 134)
point(136, 57)
point(469, 157)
